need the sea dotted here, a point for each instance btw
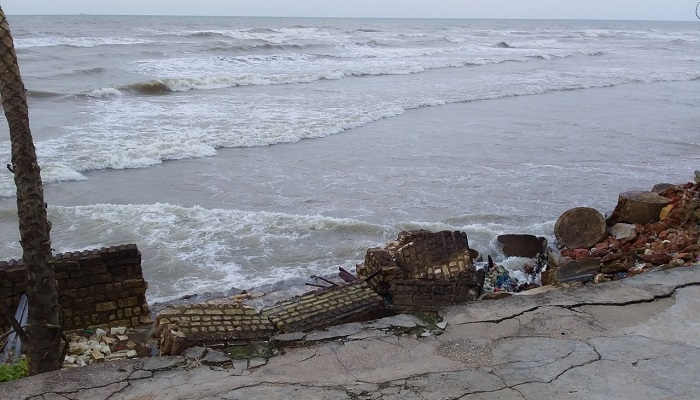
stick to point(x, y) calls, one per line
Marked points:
point(254, 153)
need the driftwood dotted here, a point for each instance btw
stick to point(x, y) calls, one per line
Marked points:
point(639, 207)
point(580, 227)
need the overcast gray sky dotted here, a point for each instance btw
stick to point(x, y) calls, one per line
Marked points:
point(676, 10)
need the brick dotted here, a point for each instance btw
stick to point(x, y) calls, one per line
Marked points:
point(100, 307)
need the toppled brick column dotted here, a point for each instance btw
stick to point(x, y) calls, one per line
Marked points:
point(423, 271)
point(354, 302)
point(210, 325)
point(96, 288)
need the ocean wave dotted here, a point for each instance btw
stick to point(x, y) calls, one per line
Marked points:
point(526, 44)
point(104, 92)
point(76, 41)
point(154, 87)
point(204, 34)
point(282, 69)
point(111, 142)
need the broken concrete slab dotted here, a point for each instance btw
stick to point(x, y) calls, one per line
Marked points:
point(215, 357)
point(162, 363)
point(196, 352)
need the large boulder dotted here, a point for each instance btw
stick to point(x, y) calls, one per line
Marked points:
point(580, 227)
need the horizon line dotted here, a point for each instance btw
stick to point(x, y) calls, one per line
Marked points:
point(343, 17)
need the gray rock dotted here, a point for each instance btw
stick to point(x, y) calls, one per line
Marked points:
point(162, 363)
point(578, 271)
point(623, 231)
point(521, 245)
point(215, 357)
point(194, 353)
point(442, 325)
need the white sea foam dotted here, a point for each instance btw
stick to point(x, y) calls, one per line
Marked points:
point(105, 92)
point(197, 250)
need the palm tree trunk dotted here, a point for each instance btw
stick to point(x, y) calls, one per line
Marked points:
point(44, 330)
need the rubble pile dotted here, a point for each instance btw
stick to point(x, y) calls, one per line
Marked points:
point(670, 239)
point(98, 346)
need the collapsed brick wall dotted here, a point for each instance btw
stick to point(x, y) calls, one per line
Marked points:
point(219, 325)
point(96, 288)
point(210, 325)
point(354, 302)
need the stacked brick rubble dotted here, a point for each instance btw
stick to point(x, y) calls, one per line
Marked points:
point(423, 271)
point(96, 288)
point(224, 324)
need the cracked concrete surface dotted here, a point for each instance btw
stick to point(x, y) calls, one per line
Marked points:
point(632, 339)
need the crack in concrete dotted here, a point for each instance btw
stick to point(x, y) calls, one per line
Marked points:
point(62, 394)
point(670, 294)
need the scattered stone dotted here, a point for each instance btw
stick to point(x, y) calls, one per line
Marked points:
point(122, 338)
point(521, 245)
point(121, 330)
point(97, 356)
point(215, 357)
point(132, 354)
point(69, 360)
point(426, 334)
point(624, 232)
point(78, 348)
point(99, 332)
point(116, 356)
point(130, 345)
point(442, 325)
point(580, 227)
point(195, 353)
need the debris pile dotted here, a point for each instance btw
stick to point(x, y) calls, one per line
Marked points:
point(99, 346)
point(659, 229)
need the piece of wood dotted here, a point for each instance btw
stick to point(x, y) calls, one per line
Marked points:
point(580, 227)
point(639, 207)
